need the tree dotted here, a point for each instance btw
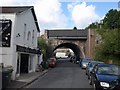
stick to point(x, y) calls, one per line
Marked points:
point(112, 19)
point(93, 25)
point(110, 34)
point(109, 49)
point(42, 45)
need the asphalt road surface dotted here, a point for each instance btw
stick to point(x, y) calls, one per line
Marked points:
point(65, 75)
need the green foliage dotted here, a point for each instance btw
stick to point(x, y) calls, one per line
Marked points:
point(109, 30)
point(110, 46)
point(42, 45)
point(93, 25)
point(112, 19)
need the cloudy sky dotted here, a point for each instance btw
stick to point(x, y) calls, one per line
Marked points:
point(59, 14)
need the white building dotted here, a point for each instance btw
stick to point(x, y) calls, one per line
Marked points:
point(18, 39)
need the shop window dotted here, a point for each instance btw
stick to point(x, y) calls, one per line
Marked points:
point(5, 32)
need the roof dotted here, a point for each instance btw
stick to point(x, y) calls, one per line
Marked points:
point(67, 33)
point(20, 9)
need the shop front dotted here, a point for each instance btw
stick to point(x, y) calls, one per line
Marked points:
point(26, 60)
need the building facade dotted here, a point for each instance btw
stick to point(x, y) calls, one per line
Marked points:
point(18, 44)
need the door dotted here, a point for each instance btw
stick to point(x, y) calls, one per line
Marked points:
point(24, 63)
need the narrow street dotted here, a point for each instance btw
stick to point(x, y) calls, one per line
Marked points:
point(34, 33)
point(65, 75)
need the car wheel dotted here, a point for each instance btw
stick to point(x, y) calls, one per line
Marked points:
point(94, 87)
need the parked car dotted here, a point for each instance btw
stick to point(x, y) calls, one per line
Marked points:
point(105, 77)
point(84, 60)
point(72, 59)
point(90, 67)
point(84, 64)
point(60, 55)
point(52, 62)
point(77, 62)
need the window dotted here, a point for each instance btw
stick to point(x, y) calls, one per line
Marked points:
point(28, 36)
point(5, 32)
point(95, 68)
point(109, 70)
point(24, 31)
point(33, 36)
point(97, 42)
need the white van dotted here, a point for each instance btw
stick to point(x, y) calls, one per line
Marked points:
point(61, 55)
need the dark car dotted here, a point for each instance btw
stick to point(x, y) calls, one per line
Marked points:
point(90, 67)
point(72, 59)
point(105, 76)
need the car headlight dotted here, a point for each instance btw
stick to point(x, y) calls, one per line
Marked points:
point(84, 64)
point(104, 84)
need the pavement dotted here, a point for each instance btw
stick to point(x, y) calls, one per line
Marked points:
point(25, 79)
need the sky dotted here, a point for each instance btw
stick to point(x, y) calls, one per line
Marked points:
point(66, 14)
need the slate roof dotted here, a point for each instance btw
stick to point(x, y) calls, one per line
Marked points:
point(15, 9)
point(67, 33)
point(19, 9)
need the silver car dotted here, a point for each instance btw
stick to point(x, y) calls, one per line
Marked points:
point(84, 64)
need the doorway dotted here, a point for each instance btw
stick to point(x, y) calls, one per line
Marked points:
point(24, 63)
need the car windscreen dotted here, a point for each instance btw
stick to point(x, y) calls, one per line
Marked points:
point(86, 61)
point(108, 70)
point(49, 60)
point(92, 64)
